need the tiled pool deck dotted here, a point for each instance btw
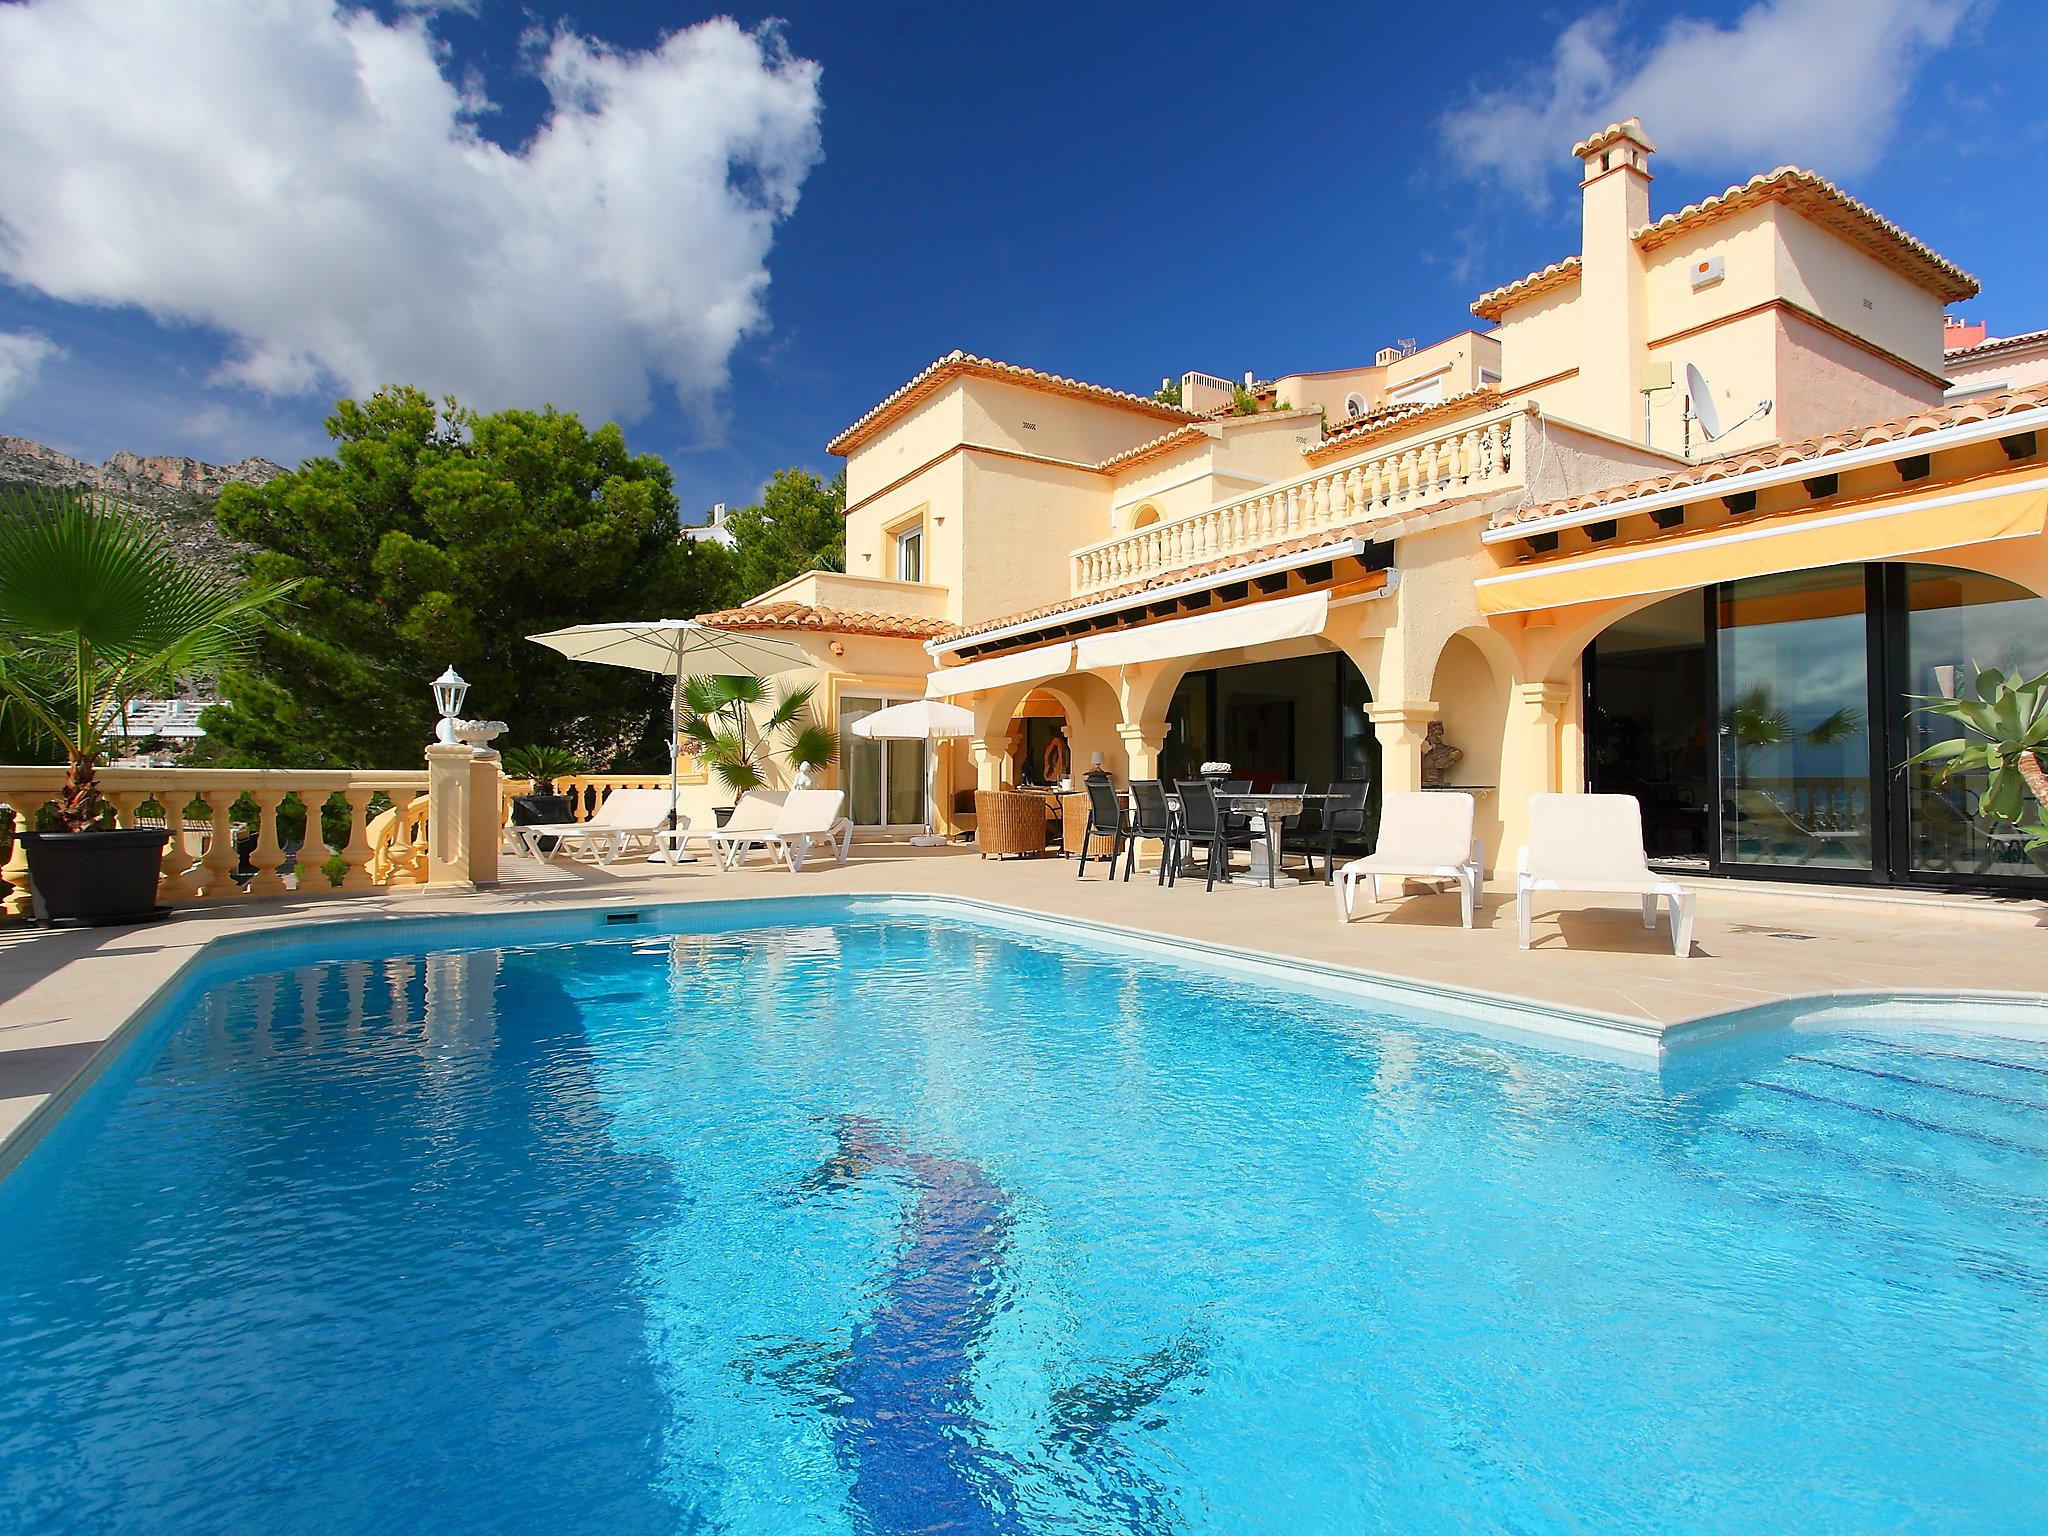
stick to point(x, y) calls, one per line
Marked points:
point(64, 995)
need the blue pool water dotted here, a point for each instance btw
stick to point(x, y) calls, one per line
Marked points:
point(896, 1224)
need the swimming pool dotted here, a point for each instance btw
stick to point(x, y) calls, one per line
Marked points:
point(849, 1218)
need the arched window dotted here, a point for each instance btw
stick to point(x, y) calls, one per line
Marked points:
point(1354, 405)
point(1146, 516)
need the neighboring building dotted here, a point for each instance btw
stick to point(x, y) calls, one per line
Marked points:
point(710, 531)
point(1691, 522)
point(1978, 362)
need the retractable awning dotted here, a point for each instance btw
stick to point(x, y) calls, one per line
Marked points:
point(1291, 618)
point(1040, 661)
point(2008, 506)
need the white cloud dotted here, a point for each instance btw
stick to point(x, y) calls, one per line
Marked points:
point(1817, 82)
point(22, 355)
point(308, 180)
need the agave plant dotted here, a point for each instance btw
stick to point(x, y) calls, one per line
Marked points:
point(543, 765)
point(719, 724)
point(97, 609)
point(2004, 728)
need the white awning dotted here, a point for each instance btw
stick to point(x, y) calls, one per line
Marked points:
point(1291, 618)
point(1001, 671)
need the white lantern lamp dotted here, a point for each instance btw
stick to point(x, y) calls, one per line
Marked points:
point(449, 693)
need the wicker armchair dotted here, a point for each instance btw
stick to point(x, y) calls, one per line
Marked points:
point(1008, 821)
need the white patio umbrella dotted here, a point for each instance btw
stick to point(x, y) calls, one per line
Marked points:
point(925, 720)
point(676, 649)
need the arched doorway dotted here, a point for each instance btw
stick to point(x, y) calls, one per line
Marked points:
point(1299, 717)
point(1041, 748)
point(1762, 723)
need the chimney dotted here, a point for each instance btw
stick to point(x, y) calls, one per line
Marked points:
point(1614, 190)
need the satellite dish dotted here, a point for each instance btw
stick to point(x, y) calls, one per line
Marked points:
point(1701, 403)
point(1699, 407)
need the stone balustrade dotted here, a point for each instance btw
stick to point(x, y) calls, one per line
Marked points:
point(208, 810)
point(585, 792)
point(1470, 458)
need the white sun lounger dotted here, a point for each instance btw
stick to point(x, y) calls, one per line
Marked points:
point(1594, 843)
point(1422, 837)
point(748, 827)
point(804, 817)
point(627, 817)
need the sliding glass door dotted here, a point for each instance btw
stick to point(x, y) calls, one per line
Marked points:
point(884, 779)
point(1792, 715)
point(1761, 723)
point(1956, 623)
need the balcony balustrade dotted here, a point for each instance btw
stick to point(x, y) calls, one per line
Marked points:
point(213, 814)
point(1472, 458)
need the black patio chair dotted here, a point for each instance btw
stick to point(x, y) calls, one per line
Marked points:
point(1236, 821)
point(1341, 819)
point(1105, 819)
point(1153, 821)
point(1201, 826)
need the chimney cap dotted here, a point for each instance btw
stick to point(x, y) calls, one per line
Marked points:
point(1630, 128)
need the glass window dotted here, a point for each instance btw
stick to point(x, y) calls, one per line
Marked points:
point(862, 762)
point(884, 779)
point(1649, 734)
point(1957, 623)
point(1793, 720)
point(910, 555)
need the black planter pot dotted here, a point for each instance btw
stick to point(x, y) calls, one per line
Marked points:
point(95, 877)
point(541, 811)
point(723, 813)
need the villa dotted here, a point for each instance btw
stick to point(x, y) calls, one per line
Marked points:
point(621, 1183)
point(1694, 520)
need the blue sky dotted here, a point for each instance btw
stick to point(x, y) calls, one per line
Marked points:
point(200, 251)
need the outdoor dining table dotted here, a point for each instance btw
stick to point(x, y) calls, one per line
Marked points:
point(1268, 814)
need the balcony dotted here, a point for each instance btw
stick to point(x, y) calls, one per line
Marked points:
point(1468, 459)
point(858, 594)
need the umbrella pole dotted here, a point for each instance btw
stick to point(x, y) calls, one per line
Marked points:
point(675, 853)
point(931, 773)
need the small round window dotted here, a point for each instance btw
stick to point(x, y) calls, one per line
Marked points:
point(1354, 405)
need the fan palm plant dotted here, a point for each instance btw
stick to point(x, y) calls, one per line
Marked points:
point(96, 609)
point(2004, 729)
point(543, 765)
point(719, 725)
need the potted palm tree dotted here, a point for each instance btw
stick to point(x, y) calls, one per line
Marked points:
point(96, 610)
point(541, 805)
point(719, 728)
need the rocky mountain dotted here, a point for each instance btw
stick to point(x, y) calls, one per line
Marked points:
point(175, 492)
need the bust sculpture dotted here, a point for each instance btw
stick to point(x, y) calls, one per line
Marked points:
point(1439, 757)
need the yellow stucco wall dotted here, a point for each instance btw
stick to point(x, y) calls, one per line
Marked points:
point(1002, 415)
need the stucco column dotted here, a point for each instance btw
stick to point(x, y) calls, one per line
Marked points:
point(1538, 707)
point(1530, 756)
point(1142, 743)
point(990, 754)
point(448, 815)
point(486, 818)
point(1400, 726)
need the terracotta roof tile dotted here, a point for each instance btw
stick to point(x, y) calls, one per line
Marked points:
point(1991, 346)
point(1829, 206)
point(1614, 133)
point(1385, 421)
point(1799, 451)
point(957, 364)
point(825, 620)
point(1814, 196)
point(1496, 302)
point(1218, 567)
